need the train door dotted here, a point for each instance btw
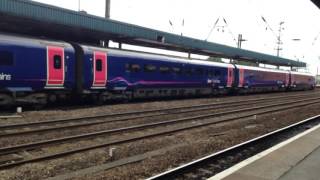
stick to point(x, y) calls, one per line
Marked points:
point(241, 77)
point(287, 79)
point(99, 70)
point(230, 77)
point(292, 80)
point(55, 67)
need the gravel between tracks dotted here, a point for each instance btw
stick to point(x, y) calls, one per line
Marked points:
point(101, 127)
point(203, 141)
point(197, 143)
point(73, 112)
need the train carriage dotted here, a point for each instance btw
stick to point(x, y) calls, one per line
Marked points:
point(37, 70)
point(143, 75)
point(256, 79)
point(34, 70)
point(301, 81)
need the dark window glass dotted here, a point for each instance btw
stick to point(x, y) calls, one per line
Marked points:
point(149, 68)
point(188, 71)
point(176, 70)
point(164, 69)
point(127, 66)
point(132, 67)
point(98, 65)
point(135, 67)
point(210, 73)
point(57, 61)
point(216, 73)
point(6, 58)
point(199, 71)
point(206, 72)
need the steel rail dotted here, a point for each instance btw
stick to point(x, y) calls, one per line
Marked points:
point(203, 162)
point(126, 140)
point(4, 135)
point(41, 123)
point(90, 123)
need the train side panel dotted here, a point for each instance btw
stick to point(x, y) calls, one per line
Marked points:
point(301, 81)
point(139, 75)
point(33, 70)
point(255, 79)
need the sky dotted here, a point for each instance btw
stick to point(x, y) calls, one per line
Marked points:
point(300, 32)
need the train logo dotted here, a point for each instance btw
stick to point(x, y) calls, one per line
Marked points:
point(5, 77)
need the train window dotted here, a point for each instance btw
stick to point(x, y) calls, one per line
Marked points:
point(132, 67)
point(188, 71)
point(135, 67)
point(149, 68)
point(98, 65)
point(199, 71)
point(57, 61)
point(6, 58)
point(164, 69)
point(176, 70)
point(210, 73)
point(216, 73)
point(127, 66)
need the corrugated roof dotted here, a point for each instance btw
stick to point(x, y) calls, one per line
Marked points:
point(33, 18)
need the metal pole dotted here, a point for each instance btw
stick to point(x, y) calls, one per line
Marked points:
point(279, 42)
point(107, 15)
point(240, 40)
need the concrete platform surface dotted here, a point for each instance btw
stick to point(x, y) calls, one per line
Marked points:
point(297, 158)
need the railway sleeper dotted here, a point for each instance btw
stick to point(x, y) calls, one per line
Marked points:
point(10, 158)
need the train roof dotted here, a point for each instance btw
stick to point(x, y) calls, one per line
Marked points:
point(150, 56)
point(30, 41)
point(273, 70)
point(301, 73)
point(262, 69)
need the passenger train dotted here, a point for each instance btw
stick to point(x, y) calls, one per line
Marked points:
point(39, 71)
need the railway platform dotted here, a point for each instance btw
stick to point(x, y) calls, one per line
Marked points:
point(295, 158)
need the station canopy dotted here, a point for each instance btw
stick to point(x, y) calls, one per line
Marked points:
point(316, 2)
point(41, 20)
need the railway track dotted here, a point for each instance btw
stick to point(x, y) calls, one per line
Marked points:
point(213, 164)
point(128, 116)
point(204, 119)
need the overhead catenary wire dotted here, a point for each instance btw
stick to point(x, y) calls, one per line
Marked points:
point(225, 25)
point(269, 27)
point(213, 27)
point(171, 25)
point(230, 32)
point(315, 39)
point(182, 27)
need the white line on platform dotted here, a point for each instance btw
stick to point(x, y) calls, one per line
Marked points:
point(250, 160)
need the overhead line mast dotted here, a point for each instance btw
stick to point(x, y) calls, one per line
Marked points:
point(107, 15)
